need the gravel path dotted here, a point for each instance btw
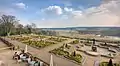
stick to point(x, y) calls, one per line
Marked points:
point(6, 57)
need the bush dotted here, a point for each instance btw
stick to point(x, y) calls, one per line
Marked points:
point(75, 42)
point(57, 39)
point(38, 44)
point(106, 64)
point(75, 57)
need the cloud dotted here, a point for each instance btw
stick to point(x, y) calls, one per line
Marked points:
point(77, 13)
point(111, 6)
point(107, 1)
point(95, 20)
point(52, 10)
point(106, 14)
point(71, 13)
point(21, 5)
point(68, 9)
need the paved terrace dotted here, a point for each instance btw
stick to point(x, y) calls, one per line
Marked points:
point(6, 56)
point(44, 53)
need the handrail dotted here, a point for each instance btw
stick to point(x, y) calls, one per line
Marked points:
point(45, 64)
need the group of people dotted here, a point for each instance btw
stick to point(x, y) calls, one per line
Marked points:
point(24, 57)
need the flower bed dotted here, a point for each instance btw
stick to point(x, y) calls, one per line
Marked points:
point(21, 38)
point(38, 44)
point(38, 36)
point(74, 42)
point(106, 64)
point(57, 39)
point(60, 52)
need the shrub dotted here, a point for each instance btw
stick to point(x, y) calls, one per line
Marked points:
point(75, 42)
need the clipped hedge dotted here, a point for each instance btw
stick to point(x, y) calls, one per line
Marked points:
point(106, 64)
point(74, 42)
point(60, 52)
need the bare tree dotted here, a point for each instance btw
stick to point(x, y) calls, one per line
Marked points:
point(20, 29)
point(7, 22)
point(28, 29)
point(33, 25)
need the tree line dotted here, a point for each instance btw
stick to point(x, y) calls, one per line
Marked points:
point(9, 25)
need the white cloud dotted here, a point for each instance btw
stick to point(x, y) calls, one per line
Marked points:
point(107, 14)
point(52, 10)
point(68, 9)
point(71, 13)
point(21, 5)
point(77, 13)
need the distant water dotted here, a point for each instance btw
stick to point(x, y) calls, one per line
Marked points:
point(83, 28)
point(115, 30)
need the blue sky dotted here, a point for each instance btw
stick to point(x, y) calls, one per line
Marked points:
point(62, 13)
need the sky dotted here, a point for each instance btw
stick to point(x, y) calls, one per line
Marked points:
point(63, 13)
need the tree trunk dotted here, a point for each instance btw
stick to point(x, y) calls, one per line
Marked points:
point(8, 34)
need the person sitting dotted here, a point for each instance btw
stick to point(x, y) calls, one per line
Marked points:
point(37, 63)
point(31, 63)
point(23, 57)
point(18, 59)
point(15, 55)
point(41, 63)
point(22, 52)
point(29, 59)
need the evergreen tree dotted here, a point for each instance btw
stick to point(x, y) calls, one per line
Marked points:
point(110, 63)
point(74, 53)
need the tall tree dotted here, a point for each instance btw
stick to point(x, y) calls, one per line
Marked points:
point(33, 25)
point(7, 22)
point(20, 29)
point(93, 41)
point(28, 28)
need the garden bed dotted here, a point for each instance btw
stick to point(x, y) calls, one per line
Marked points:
point(38, 44)
point(34, 43)
point(77, 58)
point(74, 42)
point(106, 64)
point(57, 39)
